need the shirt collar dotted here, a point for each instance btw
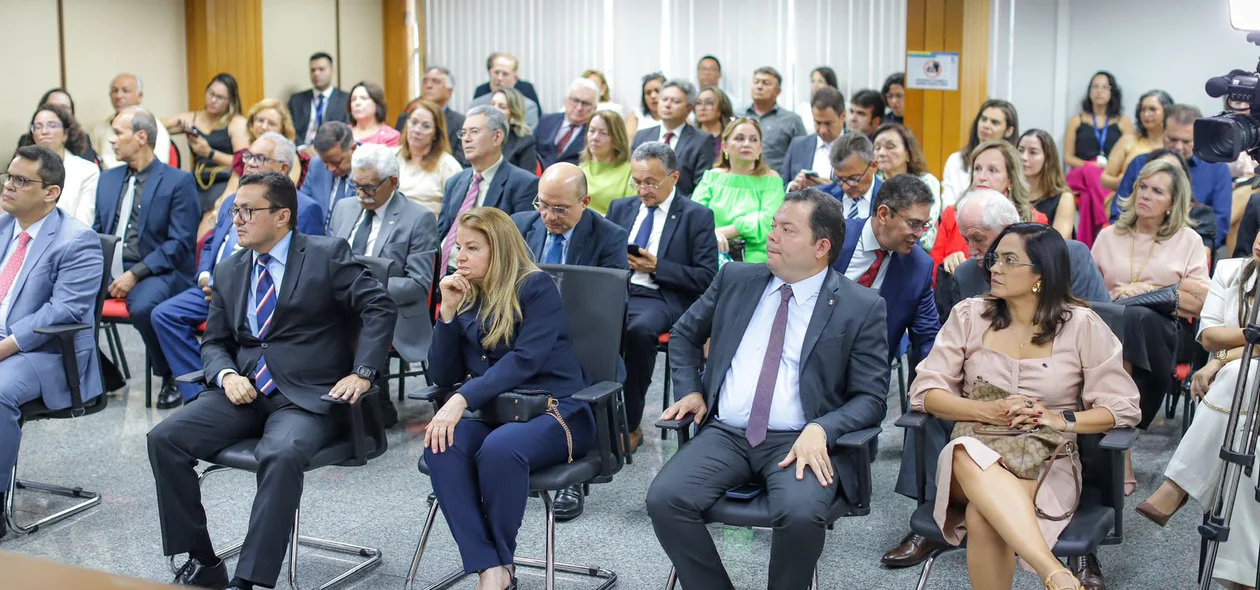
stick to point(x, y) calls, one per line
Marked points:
point(803, 290)
point(567, 235)
point(752, 110)
point(668, 202)
point(677, 131)
point(868, 242)
point(821, 143)
point(327, 93)
point(280, 252)
point(32, 231)
point(489, 172)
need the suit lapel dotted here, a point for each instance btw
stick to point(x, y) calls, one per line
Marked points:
point(242, 271)
point(150, 191)
point(389, 219)
point(292, 272)
point(851, 239)
point(823, 308)
point(896, 265)
point(537, 238)
point(109, 192)
point(495, 192)
point(9, 225)
point(671, 223)
point(36, 249)
point(581, 235)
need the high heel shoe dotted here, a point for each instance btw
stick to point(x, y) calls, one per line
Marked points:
point(1148, 510)
point(1130, 486)
point(1051, 584)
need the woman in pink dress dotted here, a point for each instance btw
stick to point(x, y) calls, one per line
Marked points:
point(1030, 337)
point(367, 112)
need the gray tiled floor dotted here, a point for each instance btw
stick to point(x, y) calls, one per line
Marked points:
point(382, 505)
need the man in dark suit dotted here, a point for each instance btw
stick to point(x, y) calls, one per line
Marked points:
point(854, 182)
point(323, 102)
point(176, 320)
point(153, 210)
point(328, 175)
point(503, 69)
point(490, 182)
point(675, 262)
point(437, 88)
point(284, 315)
point(798, 356)
point(50, 274)
point(692, 147)
point(563, 229)
point(562, 136)
point(812, 153)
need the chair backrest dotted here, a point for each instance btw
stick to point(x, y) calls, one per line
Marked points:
point(109, 243)
point(595, 299)
point(381, 268)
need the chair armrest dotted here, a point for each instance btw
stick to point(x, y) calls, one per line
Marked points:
point(858, 439)
point(859, 442)
point(358, 426)
point(64, 333)
point(1118, 439)
point(914, 420)
point(607, 406)
point(60, 330)
point(433, 393)
point(194, 377)
point(598, 393)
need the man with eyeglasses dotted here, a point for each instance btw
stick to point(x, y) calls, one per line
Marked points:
point(126, 90)
point(853, 175)
point(328, 175)
point(437, 87)
point(693, 147)
point(561, 136)
point(503, 70)
point(177, 320)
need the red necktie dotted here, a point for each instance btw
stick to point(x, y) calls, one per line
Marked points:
point(564, 139)
point(11, 268)
point(669, 136)
point(868, 278)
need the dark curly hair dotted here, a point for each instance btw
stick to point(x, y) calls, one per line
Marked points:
point(76, 139)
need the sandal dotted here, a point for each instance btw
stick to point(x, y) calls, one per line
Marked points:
point(1051, 584)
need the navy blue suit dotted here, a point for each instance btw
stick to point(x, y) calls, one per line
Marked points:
point(834, 189)
point(686, 261)
point(482, 481)
point(175, 321)
point(547, 130)
point(800, 156)
point(595, 241)
point(167, 230)
point(512, 190)
point(318, 186)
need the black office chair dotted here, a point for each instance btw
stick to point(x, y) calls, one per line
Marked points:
point(405, 369)
point(595, 301)
point(36, 410)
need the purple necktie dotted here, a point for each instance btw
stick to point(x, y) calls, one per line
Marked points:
point(759, 419)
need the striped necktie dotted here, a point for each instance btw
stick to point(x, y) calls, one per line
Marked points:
point(265, 306)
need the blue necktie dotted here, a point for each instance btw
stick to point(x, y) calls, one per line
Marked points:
point(853, 211)
point(555, 252)
point(265, 305)
point(319, 110)
point(645, 230)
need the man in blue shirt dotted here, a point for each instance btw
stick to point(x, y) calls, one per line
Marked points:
point(1209, 181)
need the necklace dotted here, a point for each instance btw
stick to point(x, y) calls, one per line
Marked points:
point(1133, 276)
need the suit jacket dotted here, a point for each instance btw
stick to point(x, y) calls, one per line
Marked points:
point(595, 241)
point(907, 288)
point(408, 236)
point(695, 154)
point(310, 222)
point(526, 89)
point(547, 130)
point(513, 190)
point(800, 156)
point(169, 216)
point(319, 184)
point(834, 189)
point(454, 122)
point(844, 367)
point(327, 299)
point(58, 284)
point(540, 356)
point(521, 151)
point(968, 280)
point(686, 258)
point(300, 109)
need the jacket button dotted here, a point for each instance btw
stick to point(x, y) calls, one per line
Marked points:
point(264, 345)
point(483, 357)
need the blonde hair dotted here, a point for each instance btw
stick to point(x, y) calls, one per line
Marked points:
point(516, 106)
point(510, 265)
point(1014, 173)
point(617, 132)
point(1177, 218)
point(603, 81)
point(286, 120)
point(759, 167)
point(440, 144)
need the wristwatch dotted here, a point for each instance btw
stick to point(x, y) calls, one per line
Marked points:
point(366, 372)
point(1221, 355)
point(1069, 421)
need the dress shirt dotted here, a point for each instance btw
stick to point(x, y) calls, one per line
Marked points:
point(735, 400)
point(32, 231)
point(564, 248)
point(376, 227)
point(340, 189)
point(311, 127)
point(864, 257)
point(673, 139)
point(778, 127)
point(279, 256)
point(229, 241)
point(863, 203)
point(822, 158)
point(131, 239)
point(654, 240)
point(564, 128)
point(487, 175)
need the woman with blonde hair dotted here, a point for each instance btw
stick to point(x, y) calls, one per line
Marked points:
point(606, 160)
point(520, 147)
point(214, 134)
point(501, 327)
point(424, 159)
point(266, 116)
point(742, 190)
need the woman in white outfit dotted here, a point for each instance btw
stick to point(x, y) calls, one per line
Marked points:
point(56, 129)
point(1196, 470)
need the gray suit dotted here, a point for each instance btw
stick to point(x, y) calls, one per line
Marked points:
point(408, 236)
point(843, 381)
point(58, 284)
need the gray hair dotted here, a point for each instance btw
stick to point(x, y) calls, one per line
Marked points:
point(282, 150)
point(332, 134)
point(658, 151)
point(142, 120)
point(586, 85)
point(495, 121)
point(850, 144)
point(450, 78)
point(996, 210)
point(688, 89)
point(138, 79)
point(377, 158)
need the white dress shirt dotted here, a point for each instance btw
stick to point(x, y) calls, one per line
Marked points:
point(864, 257)
point(311, 127)
point(822, 158)
point(654, 239)
point(673, 139)
point(7, 302)
point(374, 231)
point(863, 203)
point(739, 386)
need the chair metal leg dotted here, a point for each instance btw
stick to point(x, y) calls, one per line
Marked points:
point(452, 577)
point(927, 566)
point(121, 359)
point(148, 379)
point(673, 578)
point(665, 397)
point(403, 367)
point(90, 499)
point(901, 382)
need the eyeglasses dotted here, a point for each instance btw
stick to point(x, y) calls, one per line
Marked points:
point(586, 104)
point(992, 260)
point(473, 133)
point(50, 126)
point(916, 226)
point(19, 182)
point(649, 184)
point(853, 180)
point(259, 159)
point(247, 213)
point(368, 191)
point(544, 209)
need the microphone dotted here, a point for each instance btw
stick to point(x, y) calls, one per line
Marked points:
point(1218, 86)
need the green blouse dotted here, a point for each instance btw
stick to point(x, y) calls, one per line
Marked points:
point(607, 182)
point(746, 202)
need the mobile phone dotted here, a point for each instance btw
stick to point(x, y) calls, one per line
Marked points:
point(633, 249)
point(745, 492)
point(811, 174)
point(193, 131)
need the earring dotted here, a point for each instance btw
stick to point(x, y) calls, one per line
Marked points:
point(1037, 286)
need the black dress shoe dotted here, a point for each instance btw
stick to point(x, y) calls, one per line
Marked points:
point(4, 524)
point(194, 573)
point(568, 504)
point(1088, 571)
point(169, 397)
point(912, 551)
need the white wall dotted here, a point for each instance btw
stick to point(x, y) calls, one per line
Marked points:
point(555, 40)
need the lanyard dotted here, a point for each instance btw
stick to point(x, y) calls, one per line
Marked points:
point(1100, 134)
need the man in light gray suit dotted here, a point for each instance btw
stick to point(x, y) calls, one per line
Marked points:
point(50, 273)
point(384, 223)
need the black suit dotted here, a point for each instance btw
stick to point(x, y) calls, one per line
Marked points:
point(843, 381)
point(686, 260)
point(694, 150)
point(325, 298)
point(300, 110)
point(595, 241)
point(548, 131)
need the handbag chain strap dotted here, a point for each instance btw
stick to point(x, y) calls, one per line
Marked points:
point(553, 410)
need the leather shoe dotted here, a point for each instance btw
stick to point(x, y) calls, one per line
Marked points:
point(912, 551)
point(4, 524)
point(194, 573)
point(569, 503)
point(169, 397)
point(636, 439)
point(1088, 571)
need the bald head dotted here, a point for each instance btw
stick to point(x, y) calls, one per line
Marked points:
point(983, 215)
point(562, 197)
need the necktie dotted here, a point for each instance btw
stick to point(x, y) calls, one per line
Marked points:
point(265, 305)
point(564, 139)
point(470, 200)
point(319, 110)
point(759, 418)
point(555, 251)
point(359, 245)
point(120, 230)
point(14, 265)
point(332, 200)
point(645, 230)
point(853, 210)
point(868, 278)
point(669, 138)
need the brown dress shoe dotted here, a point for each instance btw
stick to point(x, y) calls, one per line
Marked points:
point(1088, 571)
point(636, 439)
point(914, 550)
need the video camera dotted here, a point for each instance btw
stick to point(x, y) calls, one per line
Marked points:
point(1237, 129)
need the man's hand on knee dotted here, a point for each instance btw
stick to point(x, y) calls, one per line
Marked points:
point(810, 450)
point(238, 389)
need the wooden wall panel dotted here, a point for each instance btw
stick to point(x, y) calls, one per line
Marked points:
point(224, 36)
point(394, 36)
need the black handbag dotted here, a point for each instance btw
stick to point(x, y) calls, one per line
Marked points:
point(1164, 300)
point(521, 405)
